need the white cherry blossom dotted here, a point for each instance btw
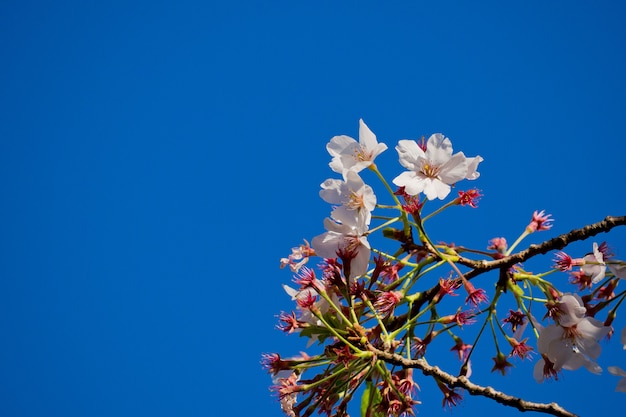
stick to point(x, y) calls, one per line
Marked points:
point(350, 155)
point(434, 170)
point(346, 233)
point(352, 195)
point(597, 268)
point(573, 342)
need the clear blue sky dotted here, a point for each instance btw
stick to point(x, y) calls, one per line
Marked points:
point(157, 159)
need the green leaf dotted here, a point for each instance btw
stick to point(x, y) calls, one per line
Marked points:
point(370, 399)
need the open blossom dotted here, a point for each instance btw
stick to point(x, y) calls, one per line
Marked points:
point(352, 195)
point(573, 342)
point(594, 266)
point(348, 234)
point(433, 171)
point(350, 155)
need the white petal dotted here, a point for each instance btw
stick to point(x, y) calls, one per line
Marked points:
point(339, 144)
point(454, 170)
point(592, 328)
point(538, 370)
point(331, 191)
point(438, 149)
point(359, 265)
point(434, 188)
point(292, 292)
point(619, 270)
point(472, 166)
point(410, 154)
point(616, 370)
point(412, 182)
point(326, 244)
point(572, 309)
point(366, 137)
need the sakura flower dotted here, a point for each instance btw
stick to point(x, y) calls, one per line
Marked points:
point(572, 348)
point(348, 235)
point(569, 310)
point(434, 170)
point(350, 155)
point(573, 342)
point(594, 266)
point(352, 195)
point(617, 371)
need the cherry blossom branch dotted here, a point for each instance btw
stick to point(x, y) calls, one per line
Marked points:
point(473, 389)
point(556, 243)
point(480, 267)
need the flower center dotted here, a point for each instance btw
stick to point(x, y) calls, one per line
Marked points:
point(355, 201)
point(361, 154)
point(430, 171)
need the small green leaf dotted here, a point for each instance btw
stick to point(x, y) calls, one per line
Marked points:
point(370, 399)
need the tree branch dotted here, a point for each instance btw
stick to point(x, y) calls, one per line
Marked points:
point(559, 242)
point(473, 389)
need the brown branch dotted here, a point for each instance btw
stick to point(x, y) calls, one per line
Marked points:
point(480, 267)
point(559, 242)
point(473, 389)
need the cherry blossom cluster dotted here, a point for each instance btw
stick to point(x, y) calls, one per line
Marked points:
point(372, 312)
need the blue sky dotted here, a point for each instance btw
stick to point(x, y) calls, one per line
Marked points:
point(159, 158)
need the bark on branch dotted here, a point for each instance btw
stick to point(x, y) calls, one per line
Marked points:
point(557, 243)
point(473, 389)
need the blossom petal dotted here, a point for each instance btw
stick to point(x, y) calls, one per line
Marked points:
point(366, 136)
point(472, 166)
point(410, 154)
point(454, 170)
point(434, 188)
point(438, 149)
point(412, 182)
